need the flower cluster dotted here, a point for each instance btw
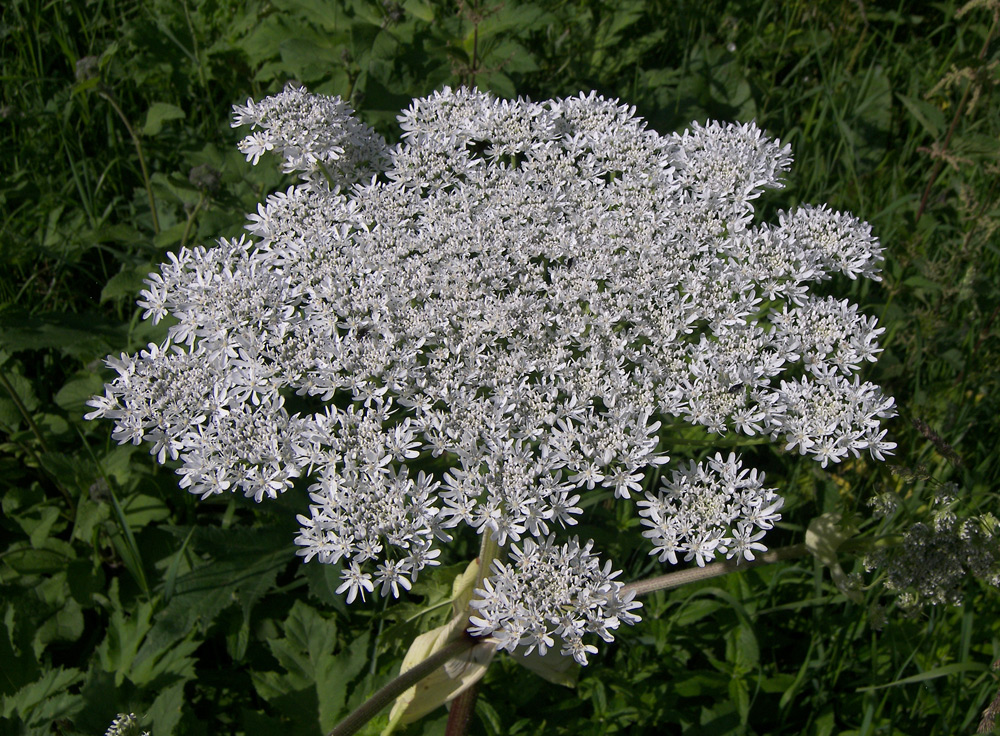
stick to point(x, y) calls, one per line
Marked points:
point(551, 589)
point(937, 556)
point(536, 293)
point(125, 724)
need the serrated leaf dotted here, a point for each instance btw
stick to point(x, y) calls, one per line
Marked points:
point(201, 594)
point(307, 653)
point(26, 701)
point(165, 712)
point(158, 114)
point(125, 635)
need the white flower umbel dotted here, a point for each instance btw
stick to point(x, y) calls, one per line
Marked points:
point(536, 293)
point(552, 590)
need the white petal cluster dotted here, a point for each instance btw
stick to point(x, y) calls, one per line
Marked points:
point(550, 590)
point(317, 136)
point(534, 294)
point(710, 507)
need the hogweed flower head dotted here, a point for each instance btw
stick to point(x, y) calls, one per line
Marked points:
point(535, 292)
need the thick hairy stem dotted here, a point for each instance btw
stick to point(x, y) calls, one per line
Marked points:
point(677, 579)
point(460, 713)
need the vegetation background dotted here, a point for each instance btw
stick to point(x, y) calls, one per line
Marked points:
point(120, 593)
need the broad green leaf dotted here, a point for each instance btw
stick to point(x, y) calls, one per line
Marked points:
point(554, 667)
point(165, 712)
point(172, 664)
point(66, 624)
point(420, 9)
point(308, 654)
point(75, 393)
point(140, 510)
point(126, 283)
point(52, 556)
point(158, 114)
point(201, 594)
point(78, 335)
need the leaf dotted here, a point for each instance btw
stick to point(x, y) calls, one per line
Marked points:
point(165, 712)
point(201, 594)
point(141, 509)
point(66, 624)
point(420, 9)
point(83, 336)
point(306, 652)
point(51, 557)
point(126, 283)
point(553, 666)
point(158, 114)
point(125, 634)
point(125, 544)
point(930, 117)
point(823, 538)
point(26, 701)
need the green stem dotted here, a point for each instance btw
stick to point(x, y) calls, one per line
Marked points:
point(24, 411)
point(190, 219)
point(142, 159)
point(371, 707)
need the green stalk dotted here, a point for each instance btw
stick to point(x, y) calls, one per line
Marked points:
point(142, 159)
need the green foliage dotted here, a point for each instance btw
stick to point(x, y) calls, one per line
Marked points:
point(120, 594)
